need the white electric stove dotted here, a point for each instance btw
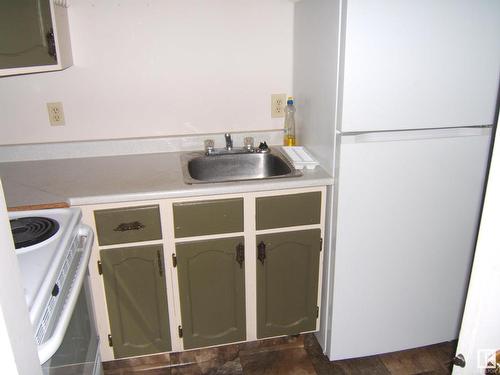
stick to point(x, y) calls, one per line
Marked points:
point(53, 250)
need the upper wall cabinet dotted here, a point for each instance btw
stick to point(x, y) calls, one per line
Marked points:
point(34, 36)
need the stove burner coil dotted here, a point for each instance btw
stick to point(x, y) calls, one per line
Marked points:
point(28, 231)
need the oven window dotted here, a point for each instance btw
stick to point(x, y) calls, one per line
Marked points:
point(78, 350)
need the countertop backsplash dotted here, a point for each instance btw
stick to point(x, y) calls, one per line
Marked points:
point(67, 150)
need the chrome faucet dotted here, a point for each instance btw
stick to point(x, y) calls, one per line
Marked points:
point(248, 147)
point(229, 142)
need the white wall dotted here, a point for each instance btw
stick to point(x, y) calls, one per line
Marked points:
point(146, 68)
point(315, 74)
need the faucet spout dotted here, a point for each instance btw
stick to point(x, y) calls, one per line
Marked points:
point(229, 141)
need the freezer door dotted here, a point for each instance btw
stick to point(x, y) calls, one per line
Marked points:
point(408, 209)
point(420, 64)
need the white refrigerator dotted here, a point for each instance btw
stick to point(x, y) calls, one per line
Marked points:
point(397, 99)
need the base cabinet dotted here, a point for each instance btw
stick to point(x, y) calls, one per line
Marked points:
point(287, 282)
point(211, 276)
point(185, 273)
point(134, 282)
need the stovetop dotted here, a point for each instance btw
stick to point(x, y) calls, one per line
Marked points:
point(40, 263)
point(31, 230)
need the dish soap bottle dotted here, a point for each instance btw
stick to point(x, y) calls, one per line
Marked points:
point(289, 123)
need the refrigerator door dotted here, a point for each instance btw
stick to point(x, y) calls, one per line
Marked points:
point(420, 64)
point(407, 216)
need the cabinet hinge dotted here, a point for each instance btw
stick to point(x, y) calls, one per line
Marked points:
point(110, 340)
point(99, 267)
point(320, 244)
point(317, 311)
point(180, 331)
point(174, 260)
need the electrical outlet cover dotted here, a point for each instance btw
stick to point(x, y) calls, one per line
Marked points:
point(56, 113)
point(278, 103)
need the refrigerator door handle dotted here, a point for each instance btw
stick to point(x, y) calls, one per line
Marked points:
point(409, 135)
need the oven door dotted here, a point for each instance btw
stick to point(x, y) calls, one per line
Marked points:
point(78, 353)
point(72, 347)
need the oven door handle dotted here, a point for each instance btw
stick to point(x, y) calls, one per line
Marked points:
point(47, 349)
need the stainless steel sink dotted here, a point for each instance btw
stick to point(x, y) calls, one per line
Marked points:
point(199, 168)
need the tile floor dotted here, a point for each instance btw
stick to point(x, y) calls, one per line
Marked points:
point(294, 355)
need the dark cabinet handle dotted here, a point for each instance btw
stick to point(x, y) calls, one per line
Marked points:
point(51, 44)
point(261, 251)
point(160, 263)
point(240, 254)
point(123, 227)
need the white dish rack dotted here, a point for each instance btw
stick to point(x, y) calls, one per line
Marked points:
point(299, 157)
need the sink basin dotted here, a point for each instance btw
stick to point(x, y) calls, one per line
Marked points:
point(198, 168)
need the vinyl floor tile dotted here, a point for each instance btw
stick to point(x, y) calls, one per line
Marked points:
point(415, 361)
point(360, 366)
point(293, 361)
point(295, 355)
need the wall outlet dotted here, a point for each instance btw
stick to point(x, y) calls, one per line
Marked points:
point(56, 113)
point(278, 103)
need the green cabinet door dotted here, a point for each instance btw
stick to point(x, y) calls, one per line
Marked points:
point(287, 282)
point(212, 291)
point(24, 29)
point(136, 296)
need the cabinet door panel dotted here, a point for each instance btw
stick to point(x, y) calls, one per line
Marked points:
point(287, 283)
point(137, 300)
point(24, 25)
point(212, 292)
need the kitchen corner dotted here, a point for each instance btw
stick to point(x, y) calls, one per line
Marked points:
point(112, 112)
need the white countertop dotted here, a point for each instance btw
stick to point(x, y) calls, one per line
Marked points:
point(111, 179)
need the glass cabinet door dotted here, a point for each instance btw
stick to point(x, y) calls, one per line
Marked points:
point(26, 34)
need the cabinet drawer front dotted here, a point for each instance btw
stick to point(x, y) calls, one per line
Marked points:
point(288, 210)
point(128, 224)
point(208, 217)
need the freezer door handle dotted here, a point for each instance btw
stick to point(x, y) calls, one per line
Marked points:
point(409, 135)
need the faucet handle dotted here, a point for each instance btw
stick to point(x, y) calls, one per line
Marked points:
point(209, 146)
point(248, 143)
point(263, 148)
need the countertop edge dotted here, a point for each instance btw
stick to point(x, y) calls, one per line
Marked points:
point(42, 206)
point(201, 190)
